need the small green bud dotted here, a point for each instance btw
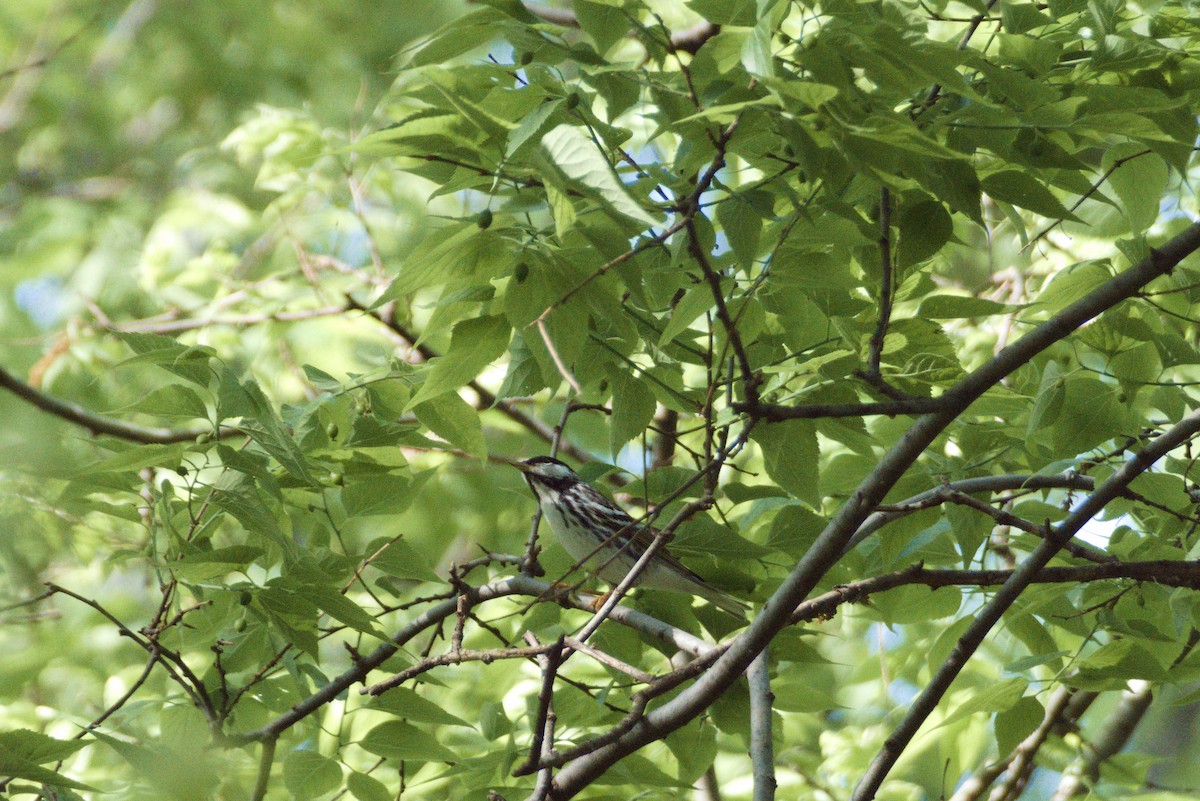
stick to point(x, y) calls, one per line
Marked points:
point(182, 470)
point(572, 100)
point(521, 271)
point(245, 598)
point(240, 625)
point(526, 58)
point(331, 430)
point(484, 219)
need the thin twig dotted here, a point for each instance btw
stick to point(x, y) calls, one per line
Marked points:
point(875, 352)
point(98, 423)
point(263, 779)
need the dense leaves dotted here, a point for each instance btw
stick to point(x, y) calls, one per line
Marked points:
point(309, 278)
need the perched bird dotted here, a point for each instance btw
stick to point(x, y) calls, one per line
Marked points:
point(597, 532)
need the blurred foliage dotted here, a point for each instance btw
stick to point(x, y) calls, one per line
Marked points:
point(315, 238)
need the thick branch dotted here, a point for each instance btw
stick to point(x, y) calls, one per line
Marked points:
point(774, 412)
point(833, 540)
point(1021, 578)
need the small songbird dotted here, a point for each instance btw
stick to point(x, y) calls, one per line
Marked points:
point(594, 530)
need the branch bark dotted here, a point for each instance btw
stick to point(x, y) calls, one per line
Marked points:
point(831, 543)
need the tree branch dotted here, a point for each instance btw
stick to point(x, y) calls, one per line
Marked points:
point(875, 353)
point(831, 543)
point(98, 423)
point(762, 748)
point(1024, 575)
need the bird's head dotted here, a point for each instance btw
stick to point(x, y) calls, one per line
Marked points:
point(547, 476)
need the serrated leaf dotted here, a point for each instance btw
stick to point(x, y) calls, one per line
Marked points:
point(580, 161)
point(924, 229)
point(456, 421)
point(791, 455)
point(742, 225)
point(990, 699)
point(190, 362)
point(474, 344)
point(1138, 182)
point(948, 307)
point(633, 408)
point(695, 302)
point(398, 740)
point(172, 400)
point(186, 777)
point(308, 774)
point(398, 558)
point(378, 494)
point(1021, 189)
point(405, 703)
point(367, 788)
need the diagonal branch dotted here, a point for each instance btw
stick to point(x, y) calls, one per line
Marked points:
point(98, 423)
point(1021, 578)
point(830, 544)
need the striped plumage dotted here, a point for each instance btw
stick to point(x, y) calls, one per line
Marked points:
point(597, 532)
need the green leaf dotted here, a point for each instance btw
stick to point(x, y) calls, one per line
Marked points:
point(530, 125)
point(187, 777)
point(36, 747)
point(398, 558)
point(1091, 413)
point(1021, 189)
point(742, 13)
point(405, 703)
point(633, 408)
point(995, 698)
point(791, 456)
point(1014, 724)
point(1138, 182)
point(474, 344)
point(188, 362)
point(385, 494)
point(460, 250)
point(695, 302)
point(200, 565)
point(173, 400)
point(924, 228)
point(308, 774)
point(397, 740)
point(742, 225)
point(367, 788)
point(606, 23)
point(22, 751)
point(578, 158)
point(949, 307)
point(456, 421)
point(918, 604)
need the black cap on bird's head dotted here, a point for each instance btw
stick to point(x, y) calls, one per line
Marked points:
point(547, 472)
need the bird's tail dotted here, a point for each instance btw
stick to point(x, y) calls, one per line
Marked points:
point(724, 601)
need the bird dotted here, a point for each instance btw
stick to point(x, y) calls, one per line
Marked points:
point(597, 532)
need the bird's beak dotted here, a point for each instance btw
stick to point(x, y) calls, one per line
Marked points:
point(524, 468)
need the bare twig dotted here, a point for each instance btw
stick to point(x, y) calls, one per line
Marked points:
point(1095, 187)
point(875, 353)
point(98, 423)
point(265, 760)
point(558, 362)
